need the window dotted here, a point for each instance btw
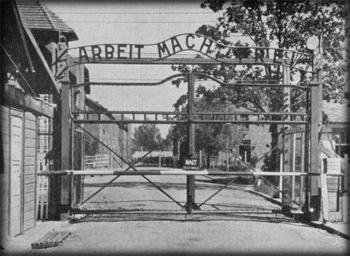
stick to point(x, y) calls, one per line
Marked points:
point(245, 118)
point(342, 141)
point(245, 151)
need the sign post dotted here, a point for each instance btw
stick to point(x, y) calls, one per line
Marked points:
point(190, 202)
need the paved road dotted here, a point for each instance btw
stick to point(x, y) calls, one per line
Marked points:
point(248, 233)
point(234, 236)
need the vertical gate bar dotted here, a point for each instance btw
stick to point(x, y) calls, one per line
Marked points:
point(316, 105)
point(72, 147)
point(81, 147)
point(72, 194)
point(286, 182)
point(307, 155)
point(191, 150)
point(292, 162)
point(65, 149)
point(302, 163)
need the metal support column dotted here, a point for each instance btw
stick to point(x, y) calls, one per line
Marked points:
point(190, 202)
point(63, 76)
point(287, 188)
point(315, 130)
point(315, 167)
point(65, 149)
point(306, 206)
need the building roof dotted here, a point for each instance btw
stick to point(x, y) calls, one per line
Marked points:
point(38, 17)
point(336, 112)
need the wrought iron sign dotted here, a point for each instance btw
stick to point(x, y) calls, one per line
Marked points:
point(203, 46)
point(191, 49)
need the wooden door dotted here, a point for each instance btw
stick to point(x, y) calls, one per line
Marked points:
point(15, 175)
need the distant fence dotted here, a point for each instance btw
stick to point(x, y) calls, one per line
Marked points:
point(167, 161)
point(97, 161)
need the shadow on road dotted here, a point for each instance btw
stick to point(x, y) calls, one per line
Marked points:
point(183, 217)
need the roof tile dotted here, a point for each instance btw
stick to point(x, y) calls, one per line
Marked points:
point(39, 17)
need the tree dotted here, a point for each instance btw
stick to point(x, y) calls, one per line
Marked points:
point(284, 24)
point(211, 138)
point(147, 137)
point(230, 138)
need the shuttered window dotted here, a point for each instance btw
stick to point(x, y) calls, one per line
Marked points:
point(342, 141)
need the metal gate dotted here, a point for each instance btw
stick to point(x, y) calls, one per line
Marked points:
point(112, 183)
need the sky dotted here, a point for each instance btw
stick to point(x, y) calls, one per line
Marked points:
point(132, 22)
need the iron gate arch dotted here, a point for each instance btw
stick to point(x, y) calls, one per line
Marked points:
point(115, 54)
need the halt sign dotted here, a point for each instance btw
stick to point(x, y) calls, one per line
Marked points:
point(191, 164)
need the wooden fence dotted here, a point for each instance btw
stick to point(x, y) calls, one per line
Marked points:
point(97, 161)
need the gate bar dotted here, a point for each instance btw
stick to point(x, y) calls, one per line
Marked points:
point(173, 171)
point(128, 121)
point(178, 212)
point(165, 171)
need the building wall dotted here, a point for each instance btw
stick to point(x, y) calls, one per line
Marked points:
point(260, 137)
point(29, 170)
point(94, 130)
point(10, 224)
point(111, 135)
point(44, 143)
point(4, 172)
point(328, 136)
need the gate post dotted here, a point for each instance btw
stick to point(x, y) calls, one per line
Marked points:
point(61, 184)
point(190, 202)
point(77, 154)
point(315, 131)
point(287, 166)
point(65, 149)
point(316, 108)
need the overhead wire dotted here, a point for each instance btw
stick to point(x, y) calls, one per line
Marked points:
point(136, 22)
point(127, 13)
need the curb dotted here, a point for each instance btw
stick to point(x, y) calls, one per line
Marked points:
point(329, 229)
point(312, 224)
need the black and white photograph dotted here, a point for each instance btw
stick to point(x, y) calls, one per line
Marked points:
point(200, 127)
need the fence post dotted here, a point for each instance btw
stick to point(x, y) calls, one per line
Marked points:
point(346, 190)
point(324, 191)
